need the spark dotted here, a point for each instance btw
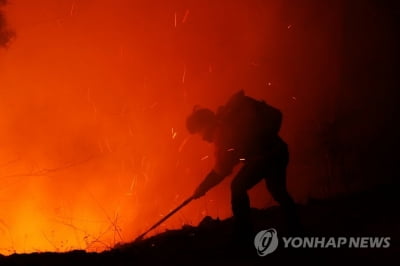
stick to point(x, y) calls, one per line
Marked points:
point(71, 12)
point(231, 149)
point(242, 159)
point(183, 143)
point(269, 83)
point(175, 19)
point(132, 186)
point(294, 98)
point(145, 178)
point(289, 27)
point(185, 16)
point(204, 158)
point(184, 74)
point(174, 133)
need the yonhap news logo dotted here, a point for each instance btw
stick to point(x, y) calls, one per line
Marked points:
point(266, 242)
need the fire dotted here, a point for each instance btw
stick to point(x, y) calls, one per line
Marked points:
point(93, 101)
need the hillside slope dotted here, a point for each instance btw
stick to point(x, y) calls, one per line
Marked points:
point(366, 214)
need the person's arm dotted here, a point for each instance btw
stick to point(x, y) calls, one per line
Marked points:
point(211, 180)
point(225, 160)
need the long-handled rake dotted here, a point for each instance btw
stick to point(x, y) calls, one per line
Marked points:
point(183, 204)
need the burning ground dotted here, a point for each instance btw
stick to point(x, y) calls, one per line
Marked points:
point(365, 214)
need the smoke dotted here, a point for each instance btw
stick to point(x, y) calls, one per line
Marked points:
point(6, 34)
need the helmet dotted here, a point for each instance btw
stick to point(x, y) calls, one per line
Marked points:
point(199, 119)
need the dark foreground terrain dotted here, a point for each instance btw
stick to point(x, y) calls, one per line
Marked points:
point(370, 213)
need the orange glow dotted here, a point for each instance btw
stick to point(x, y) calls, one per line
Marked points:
point(93, 100)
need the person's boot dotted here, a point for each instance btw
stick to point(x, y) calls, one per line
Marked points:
point(293, 223)
point(243, 239)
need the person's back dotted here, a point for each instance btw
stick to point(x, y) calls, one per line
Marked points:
point(249, 125)
point(246, 129)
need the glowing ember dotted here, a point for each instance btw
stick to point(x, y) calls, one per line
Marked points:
point(71, 12)
point(174, 133)
point(185, 16)
point(204, 158)
point(175, 19)
point(184, 74)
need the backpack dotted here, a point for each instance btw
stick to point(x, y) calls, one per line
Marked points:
point(252, 119)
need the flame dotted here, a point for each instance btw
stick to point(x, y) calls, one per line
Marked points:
point(89, 95)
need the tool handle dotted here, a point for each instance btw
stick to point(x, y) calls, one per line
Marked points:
point(187, 201)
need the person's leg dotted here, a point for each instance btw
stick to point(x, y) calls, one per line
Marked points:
point(248, 176)
point(277, 187)
point(276, 184)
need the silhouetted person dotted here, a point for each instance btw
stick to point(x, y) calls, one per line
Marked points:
point(245, 130)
